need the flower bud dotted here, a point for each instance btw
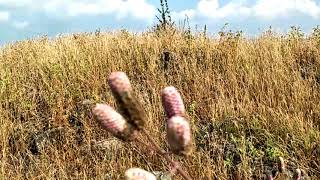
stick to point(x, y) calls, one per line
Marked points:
point(129, 106)
point(179, 135)
point(138, 174)
point(112, 121)
point(172, 102)
point(119, 82)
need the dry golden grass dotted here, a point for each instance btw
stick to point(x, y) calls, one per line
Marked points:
point(249, 102)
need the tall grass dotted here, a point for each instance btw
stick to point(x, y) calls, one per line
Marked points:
point(250, 101)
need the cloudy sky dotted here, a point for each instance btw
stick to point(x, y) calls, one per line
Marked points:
point(22, 19)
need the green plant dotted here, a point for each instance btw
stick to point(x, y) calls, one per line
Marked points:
point(165, 20)
point(273, 152)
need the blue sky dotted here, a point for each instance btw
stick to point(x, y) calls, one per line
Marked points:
point(23, 19)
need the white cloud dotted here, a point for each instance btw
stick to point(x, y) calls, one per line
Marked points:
point(143, 10)
point(212, 9)
point(309, 7)
point(190, 13)
point(273, 8)
point(285, 8)
point(139, 9)
point(267, 9)
point(208, 7)
point(15, 3)
point(4, 16)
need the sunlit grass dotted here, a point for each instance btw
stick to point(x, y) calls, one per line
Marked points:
point(249, 102)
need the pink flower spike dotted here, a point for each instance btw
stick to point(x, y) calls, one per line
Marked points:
point(119, 82)
point(172, 102)
point(178, 134)
point(138, 174)
point(110, 119)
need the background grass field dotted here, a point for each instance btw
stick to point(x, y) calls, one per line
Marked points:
point(249, 100)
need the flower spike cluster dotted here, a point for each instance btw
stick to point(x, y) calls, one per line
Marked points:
point(172, 102)
point(131, 119)
point(128, 104)
point(112, 121)
point(131, 116)
point(178, 128)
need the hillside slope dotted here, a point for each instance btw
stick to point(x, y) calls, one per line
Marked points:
point(250, 101)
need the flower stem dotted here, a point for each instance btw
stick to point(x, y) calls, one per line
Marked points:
point(164, 154)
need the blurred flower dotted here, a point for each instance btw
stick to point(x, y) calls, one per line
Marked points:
point(112, 121)
point(172, 102)
point(119, 82)
point(179, 135)
point(270, 177)
point(138, 174)
point(129, 106)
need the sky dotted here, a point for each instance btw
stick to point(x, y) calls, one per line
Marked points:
point(25, 19)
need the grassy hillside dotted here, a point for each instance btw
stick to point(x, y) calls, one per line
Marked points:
point(250, 101)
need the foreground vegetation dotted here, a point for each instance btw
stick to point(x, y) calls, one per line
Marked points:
point(249, 101)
